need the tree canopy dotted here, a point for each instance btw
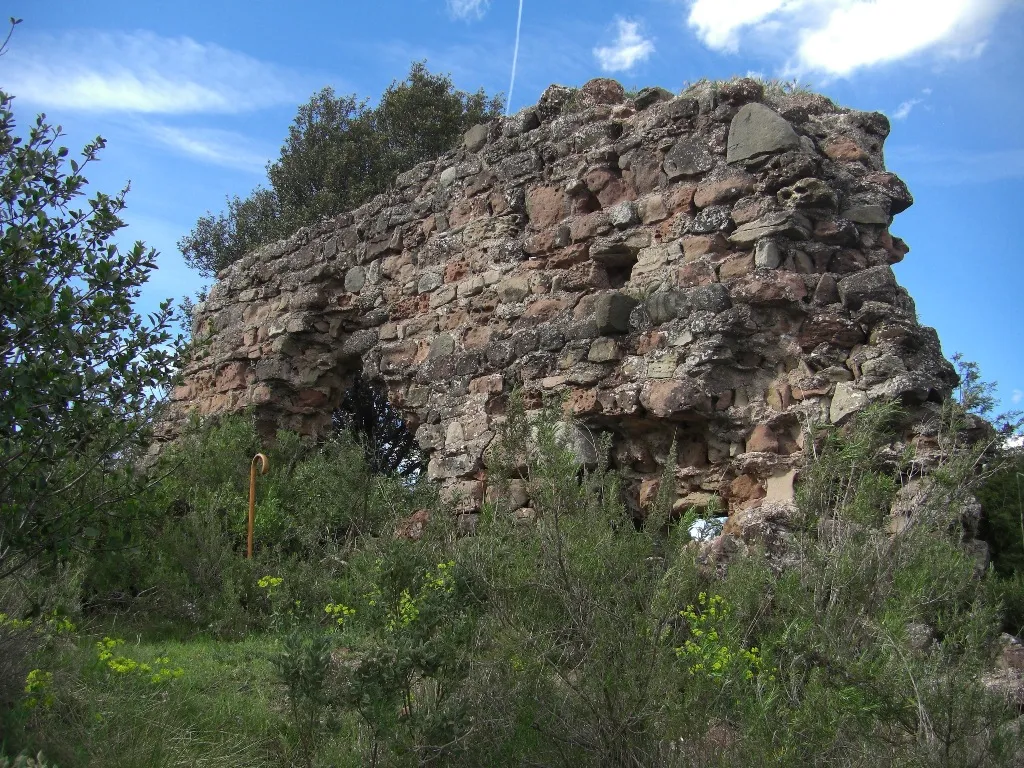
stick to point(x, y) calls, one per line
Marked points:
point(339, 153)
point(80, 370)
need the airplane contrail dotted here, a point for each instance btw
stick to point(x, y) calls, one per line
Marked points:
point(515, 60)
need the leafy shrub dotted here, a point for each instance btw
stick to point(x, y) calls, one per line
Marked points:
point(582, 611)
point(580, 636)
point(613, 645)
point(183, 559)
point(79, 369)
point(19, 643)
point(1002, 500)
point(339, 153)
point(303, 664)
point(876, 639)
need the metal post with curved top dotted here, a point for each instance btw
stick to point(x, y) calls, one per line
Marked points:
point(264, 465)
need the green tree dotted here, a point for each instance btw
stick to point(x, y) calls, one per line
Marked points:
point(339, 153)
point(80, 370)
point(423, 117)
point(977, 396)
point(388, 444)
point(999, 476)
point(221, 239)
point(1002, 498)
point(327, 164)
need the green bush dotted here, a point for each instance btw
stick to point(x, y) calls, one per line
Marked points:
point(573, 636)
point(80, 370)
point(613, 645)
point(582, 613)
point(183, 559)
point(877, 640)
point(19, 644)
point(1002, 500)
point(303, 664)
point(339, 153)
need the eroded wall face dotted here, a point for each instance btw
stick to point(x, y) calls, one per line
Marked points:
point(713, 267)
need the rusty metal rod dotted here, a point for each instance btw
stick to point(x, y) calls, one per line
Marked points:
point(264, 465)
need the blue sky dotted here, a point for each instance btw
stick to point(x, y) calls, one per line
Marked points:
point(195, 97)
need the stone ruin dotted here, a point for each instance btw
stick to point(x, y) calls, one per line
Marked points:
point(713, 268)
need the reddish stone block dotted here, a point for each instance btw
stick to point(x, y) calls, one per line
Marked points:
point(845, 150)
point(762, 440)
point(546, 206)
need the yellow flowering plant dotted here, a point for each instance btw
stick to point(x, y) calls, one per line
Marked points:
point(48, 628)
point(435, 583)
point(339, 613)
point(282, 610)
point(158, 672)
point(51, 625)
point(270, 583)
point(707, 652)
point(413, 622)
point(39, 689)
point(9, 622)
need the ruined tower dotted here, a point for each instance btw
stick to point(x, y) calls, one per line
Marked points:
point(713, 267)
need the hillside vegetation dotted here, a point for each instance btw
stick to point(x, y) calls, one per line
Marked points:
point(368, 630)
point(577, 638)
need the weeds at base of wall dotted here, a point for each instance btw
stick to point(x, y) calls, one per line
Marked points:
point(575, 640)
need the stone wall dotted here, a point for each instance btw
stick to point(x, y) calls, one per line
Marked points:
point(713, 267)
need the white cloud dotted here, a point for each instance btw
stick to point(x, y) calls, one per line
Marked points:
point(1017, 396)
point(142, 72)
point(719, 22)
point(629, 48)
point(216, 147)
point(468, 9)
point(838, 37)
point(866, 33)
point(903, 110)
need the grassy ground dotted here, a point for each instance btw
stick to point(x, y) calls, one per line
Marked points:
point(225, 707)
